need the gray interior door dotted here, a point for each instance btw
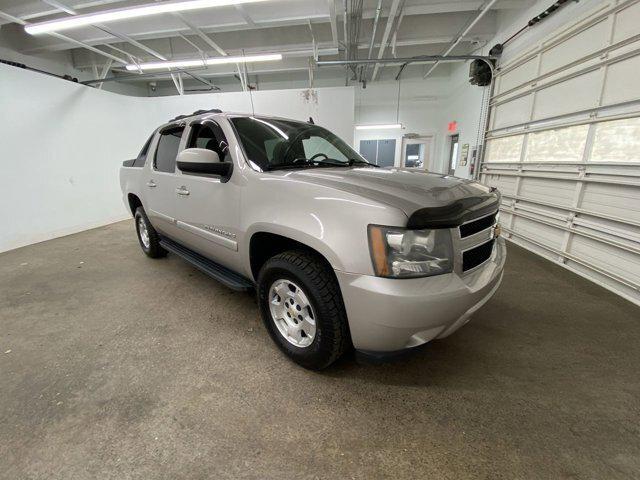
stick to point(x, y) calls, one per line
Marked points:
point(369, 150)
point(386, 153)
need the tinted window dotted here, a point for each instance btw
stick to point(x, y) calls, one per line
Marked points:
point(209, 135)
point(167, 150)
point(142, 156)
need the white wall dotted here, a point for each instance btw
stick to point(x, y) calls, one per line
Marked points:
point(420, 110)
point(462, 105)
point(330, 107)
point(62, 145)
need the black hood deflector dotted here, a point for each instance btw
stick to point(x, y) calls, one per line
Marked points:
point(456, 213)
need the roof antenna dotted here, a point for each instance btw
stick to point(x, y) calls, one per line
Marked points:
point(244, 66)
point(311, 121)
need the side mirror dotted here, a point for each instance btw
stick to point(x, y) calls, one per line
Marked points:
point(201, 160)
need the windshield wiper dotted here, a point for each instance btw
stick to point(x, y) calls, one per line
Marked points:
point(325, 162)
point(307, 162)
point(355, 161)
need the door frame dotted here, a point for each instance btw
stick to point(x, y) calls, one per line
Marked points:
point(452, 171)
point(427, 139)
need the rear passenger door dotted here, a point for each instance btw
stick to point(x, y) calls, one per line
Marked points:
point(160, 180)
point(208, 208)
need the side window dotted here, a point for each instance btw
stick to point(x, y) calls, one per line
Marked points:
point(209, 135)
point(167, 150)
point(142, 156)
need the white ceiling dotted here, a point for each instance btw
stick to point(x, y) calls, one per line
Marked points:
point(290, 27)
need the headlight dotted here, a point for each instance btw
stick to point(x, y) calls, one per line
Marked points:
point(400, 253)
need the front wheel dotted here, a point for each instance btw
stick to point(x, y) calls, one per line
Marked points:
point(302, 308)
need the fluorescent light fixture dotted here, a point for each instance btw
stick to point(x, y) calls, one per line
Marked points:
point(387, 126)
point(203, 63)
point(127, 13)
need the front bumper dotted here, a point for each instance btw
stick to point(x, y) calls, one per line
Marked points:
point(387, 315)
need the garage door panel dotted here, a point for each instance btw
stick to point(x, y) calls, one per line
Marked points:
point(623, 233)
point(617, 141)
point(557, 145)
point(546, 213)
point(607, 257)
point(518, 75)
point(512, 112)
point(626, 23)
point(506, 184)
point(506, 149)
point(577, 46)
point(602, 279)
point(622, 83)
point(539, 232)
point(558, 191)
point(543, 252)
point(618, 200)
point(574, 195)
point(579, 93)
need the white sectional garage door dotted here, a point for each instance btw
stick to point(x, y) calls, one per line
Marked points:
point(563, 147)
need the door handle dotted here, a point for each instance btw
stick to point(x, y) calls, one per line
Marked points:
point(182, 191)
point(151, 184)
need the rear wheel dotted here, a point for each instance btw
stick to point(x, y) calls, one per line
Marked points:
point(147, 235)
point(302, 308)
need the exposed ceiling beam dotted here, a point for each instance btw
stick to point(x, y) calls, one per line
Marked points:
point(60, 6)
point(333, 18)
point(201, 34)
point(385, 36)
point(458, 39)
point(88, 47)
point(245, 15)
point(125, 38)
point(19, 21)
point(105, 71)
point(11, 18)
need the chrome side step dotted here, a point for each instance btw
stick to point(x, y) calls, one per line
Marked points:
point(222, 274)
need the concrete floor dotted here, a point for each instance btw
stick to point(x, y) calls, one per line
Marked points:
point(113, 365)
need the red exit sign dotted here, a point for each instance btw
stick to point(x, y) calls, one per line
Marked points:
point(452, 127)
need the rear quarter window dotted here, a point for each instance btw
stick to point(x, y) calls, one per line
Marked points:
point(142, 156)
point(167, 150)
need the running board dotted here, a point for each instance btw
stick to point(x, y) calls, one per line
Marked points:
point(225, 276)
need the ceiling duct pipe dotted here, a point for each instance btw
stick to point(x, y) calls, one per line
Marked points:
point(376, 18)
point(453, 45)
point(399, 61)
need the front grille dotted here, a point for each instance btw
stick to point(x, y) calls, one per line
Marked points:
point(476, 226)
point(477, 255)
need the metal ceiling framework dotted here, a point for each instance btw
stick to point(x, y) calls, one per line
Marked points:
point(355, 37)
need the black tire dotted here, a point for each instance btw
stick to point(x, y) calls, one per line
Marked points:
point(320, 286)
point(153, 250)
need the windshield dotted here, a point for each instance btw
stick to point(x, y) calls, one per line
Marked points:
point(273, 143)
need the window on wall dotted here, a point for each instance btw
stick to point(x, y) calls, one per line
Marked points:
point(558, 145)
point(505, 149)
point(380, 152)
point(617, 141)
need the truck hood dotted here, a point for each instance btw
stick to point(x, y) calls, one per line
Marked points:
point(415, 192)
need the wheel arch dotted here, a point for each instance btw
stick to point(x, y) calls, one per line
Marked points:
point(134, 202)
point(265, 242)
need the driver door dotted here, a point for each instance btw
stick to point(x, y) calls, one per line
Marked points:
point(208, 208)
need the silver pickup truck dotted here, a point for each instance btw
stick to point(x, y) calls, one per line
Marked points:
point(342, 254)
